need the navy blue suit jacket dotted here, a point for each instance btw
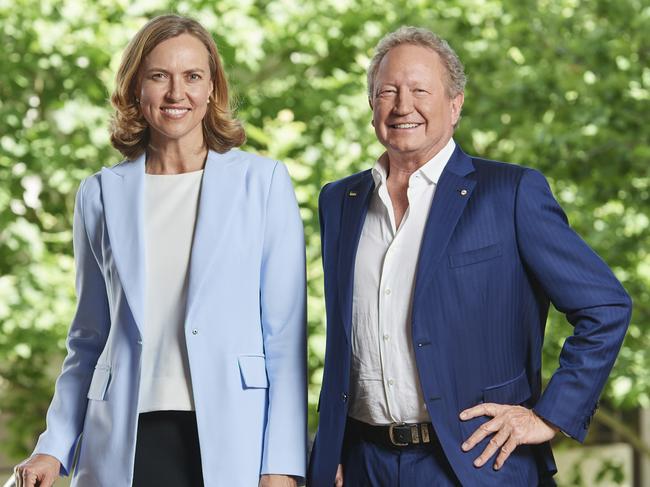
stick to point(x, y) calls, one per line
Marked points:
point(497, 248)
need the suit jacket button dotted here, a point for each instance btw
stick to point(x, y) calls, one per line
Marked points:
point(344, 397)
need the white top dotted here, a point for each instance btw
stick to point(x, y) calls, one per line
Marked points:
point(385, 385)
point(171, 203)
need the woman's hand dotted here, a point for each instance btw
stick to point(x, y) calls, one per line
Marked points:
point(37, 471)
point(272, 480)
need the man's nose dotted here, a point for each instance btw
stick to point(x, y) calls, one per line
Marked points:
point(403, 102)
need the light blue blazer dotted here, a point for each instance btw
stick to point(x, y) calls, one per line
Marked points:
point(244, 326)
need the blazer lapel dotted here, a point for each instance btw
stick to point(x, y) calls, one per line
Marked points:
point(355, 208)
point(223, 178)
point(453, 191)
point(122, 193)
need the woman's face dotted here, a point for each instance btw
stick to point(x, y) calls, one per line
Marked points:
point(174, 89)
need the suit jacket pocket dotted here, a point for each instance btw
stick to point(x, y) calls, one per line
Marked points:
point(514, 391)
point(475, 256)
point(99, 382)
point(253, 371)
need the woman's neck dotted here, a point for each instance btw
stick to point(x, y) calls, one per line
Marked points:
point(174, 159)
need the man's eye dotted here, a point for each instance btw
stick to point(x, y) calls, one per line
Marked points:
point(195, 76)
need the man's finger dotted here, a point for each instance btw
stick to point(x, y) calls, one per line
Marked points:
point(485, 409)
point(506, 450)
point(482, 432)
point(338, 480)
point(493, 446)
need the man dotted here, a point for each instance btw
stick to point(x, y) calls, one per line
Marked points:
point(439, 269)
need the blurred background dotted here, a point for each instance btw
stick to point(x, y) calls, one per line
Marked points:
point(559, 85)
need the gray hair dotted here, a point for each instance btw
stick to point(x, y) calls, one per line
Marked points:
point(455, 79)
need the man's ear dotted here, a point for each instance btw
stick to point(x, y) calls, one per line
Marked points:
point(456, 107)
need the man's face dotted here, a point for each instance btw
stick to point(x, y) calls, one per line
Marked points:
point(412, 114)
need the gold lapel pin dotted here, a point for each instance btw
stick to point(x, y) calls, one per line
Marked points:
point(463, 192)
point(352, 193)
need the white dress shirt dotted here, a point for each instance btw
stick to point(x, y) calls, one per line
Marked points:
point(385, 385)
point(171, 203)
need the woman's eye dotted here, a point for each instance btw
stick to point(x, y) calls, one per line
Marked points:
point(157, 76)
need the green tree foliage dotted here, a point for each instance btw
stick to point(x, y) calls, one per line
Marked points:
point(560, 85)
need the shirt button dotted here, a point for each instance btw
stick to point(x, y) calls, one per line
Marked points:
point(386, 337)
point(387, 292)
point(195, 331)
point(391, 382)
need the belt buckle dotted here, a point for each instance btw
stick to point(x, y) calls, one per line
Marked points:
point(391, 436)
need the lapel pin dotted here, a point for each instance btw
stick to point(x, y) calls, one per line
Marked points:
point(352, 193)
point(463, 192)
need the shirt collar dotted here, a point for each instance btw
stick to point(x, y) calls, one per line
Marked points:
point(431, 170)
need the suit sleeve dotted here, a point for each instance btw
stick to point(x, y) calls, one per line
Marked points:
point(85, 341)
point(581, 286)
point(321, 220)
point(283, 313)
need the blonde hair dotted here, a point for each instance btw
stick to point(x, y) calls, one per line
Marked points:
point(129, 129)
point(455, 78)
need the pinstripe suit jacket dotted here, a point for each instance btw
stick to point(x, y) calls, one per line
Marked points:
point(497, 248)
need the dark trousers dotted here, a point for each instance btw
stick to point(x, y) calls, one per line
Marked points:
point(167, 450)
point(367, 464)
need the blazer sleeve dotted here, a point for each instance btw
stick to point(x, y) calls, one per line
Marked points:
point(283, 315)
point(581, 286)
point(86, 338)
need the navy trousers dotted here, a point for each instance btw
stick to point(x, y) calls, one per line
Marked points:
point(366, 464)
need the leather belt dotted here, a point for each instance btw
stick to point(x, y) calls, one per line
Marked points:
point(395, 435)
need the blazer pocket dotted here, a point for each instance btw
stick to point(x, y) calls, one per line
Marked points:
point(253, 371)
point(515, 391)
point(475, 256)
point(99, 382)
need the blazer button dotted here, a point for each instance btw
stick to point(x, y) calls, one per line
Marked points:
point(344, 397)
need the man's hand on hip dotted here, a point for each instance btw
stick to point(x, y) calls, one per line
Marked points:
point(510, 427)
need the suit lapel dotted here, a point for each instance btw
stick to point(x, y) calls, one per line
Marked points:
point(222, 180)
point(355, 208)
point(453, 191)
point(122, 193)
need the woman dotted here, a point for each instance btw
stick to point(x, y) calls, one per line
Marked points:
point(186, 356)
